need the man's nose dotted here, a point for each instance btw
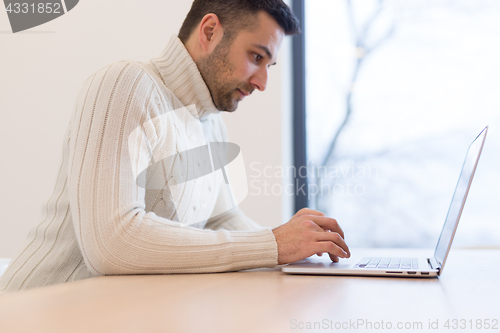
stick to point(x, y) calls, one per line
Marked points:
point(259, 80)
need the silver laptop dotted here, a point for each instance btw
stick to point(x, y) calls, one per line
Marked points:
point(397, 265)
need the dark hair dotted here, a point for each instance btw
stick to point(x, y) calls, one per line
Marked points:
point(236, 15)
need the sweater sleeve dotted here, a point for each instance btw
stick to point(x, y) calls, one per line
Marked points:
point(115, 232)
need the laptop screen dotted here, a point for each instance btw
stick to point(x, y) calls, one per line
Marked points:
point(458, 201)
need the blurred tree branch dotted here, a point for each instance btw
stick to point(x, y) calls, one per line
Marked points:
point(363, 50)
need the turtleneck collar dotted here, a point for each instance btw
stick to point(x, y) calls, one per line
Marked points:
point(181, 75)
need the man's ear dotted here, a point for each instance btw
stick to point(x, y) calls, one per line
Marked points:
point(210, 33)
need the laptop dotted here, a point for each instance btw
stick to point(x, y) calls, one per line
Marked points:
point(397, 265)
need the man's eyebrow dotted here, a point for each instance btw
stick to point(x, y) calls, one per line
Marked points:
point(265, 49)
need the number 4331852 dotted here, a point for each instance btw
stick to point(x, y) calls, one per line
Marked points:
point(40, 8)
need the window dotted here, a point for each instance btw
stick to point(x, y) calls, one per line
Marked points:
point(396, 91)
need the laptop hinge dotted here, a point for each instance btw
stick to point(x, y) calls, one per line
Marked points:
point(433, 263)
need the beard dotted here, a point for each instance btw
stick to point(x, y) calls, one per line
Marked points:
point(217, 73)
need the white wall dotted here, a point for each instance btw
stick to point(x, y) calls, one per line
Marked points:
point(42, 70)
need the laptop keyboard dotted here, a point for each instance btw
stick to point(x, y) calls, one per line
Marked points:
point(390, 263)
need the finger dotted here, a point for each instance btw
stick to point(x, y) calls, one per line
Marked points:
point(308, 211)
point(331, 248)
point(334, 258)
point(315, 227)
point(328, 223)
point(335, 238)
point(319, 254)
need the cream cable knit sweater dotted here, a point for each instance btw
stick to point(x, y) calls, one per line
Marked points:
point(100, 222)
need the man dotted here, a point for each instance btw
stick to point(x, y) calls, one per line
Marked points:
point(101, 221)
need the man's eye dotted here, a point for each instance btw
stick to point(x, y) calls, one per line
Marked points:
point(257, 57)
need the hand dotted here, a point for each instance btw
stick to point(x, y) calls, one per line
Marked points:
point(310, 232)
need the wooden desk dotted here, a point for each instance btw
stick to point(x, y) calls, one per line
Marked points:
point(263, 300)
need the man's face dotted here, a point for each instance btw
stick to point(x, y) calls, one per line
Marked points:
point(235, 69)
